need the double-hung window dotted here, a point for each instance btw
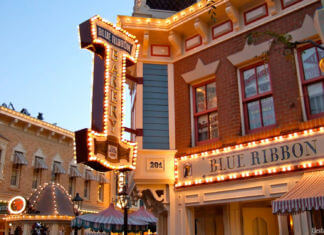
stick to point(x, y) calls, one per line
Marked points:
point(87, 189)
point(312, 80)
point(101, 192)
point(72, 183)
point(257, 97)
point(205, 112)
point(15, 175)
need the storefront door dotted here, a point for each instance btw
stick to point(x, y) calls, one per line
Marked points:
point(259, 221)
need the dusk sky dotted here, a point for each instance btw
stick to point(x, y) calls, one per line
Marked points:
point(42, 67)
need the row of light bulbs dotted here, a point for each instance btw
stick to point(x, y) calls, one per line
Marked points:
point(244, 174)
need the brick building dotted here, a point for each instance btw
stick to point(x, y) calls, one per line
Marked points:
point(232, 132)
point(33, 152)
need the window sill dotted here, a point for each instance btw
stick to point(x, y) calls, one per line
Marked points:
point(260, 129)
point(314, 116)
point(14, 188)
point(205, 142)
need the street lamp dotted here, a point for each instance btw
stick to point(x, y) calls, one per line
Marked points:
point(77, 203)
point(321, 64)
point(123, 202)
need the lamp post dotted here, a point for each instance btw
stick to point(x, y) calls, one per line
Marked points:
point(77, 203)
point(123, 202)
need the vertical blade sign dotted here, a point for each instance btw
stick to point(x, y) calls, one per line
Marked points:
point(102, 147)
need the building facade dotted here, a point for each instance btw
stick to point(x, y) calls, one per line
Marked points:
point(225, 127)
point(34, 152)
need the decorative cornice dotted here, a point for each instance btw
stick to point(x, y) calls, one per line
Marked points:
point(200, 71)
point(307, 30)
point(249, 52)
point(19, 117)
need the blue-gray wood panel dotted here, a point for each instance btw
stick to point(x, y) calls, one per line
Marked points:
point(155, 107)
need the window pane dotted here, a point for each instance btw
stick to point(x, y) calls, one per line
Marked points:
point(213, 125)
point(100, 192)
point(202, 127)
point(268, 114)
point(254, 114)
point(249, 83)
point(310, 63)
point(200, 99)
point(263, 79)
point(211, 95)
point(86, 188)
point(316, 98)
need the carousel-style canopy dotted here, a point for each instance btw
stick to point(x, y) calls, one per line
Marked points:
point(307, 194)
point(50, 199)
point(144, 216)
point(108, 220)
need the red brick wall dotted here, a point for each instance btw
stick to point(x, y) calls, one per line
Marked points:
point(284, 85)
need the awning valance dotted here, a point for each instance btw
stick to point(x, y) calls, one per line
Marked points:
point(102, 179)
point(58, 168)
point(19, 158)
point(307, 194)
point(89, 175)
point(74, 172)
point(40, 163)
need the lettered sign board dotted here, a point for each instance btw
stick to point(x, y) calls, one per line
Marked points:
point(102, 147)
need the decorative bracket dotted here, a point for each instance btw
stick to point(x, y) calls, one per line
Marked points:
point(271, 6)
point(137, 132)
point(175, 41)
point(233, 14)
point(138, 80)
point(202, 29)
point(146, 38)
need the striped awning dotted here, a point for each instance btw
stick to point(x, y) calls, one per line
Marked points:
point(19, 158)
point(40, 163)
point(58, 168)
point(89, 175)
point(102, 179)
point(74, 172)
point(307, 194)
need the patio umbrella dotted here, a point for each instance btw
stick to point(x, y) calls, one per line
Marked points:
point(108, 220)
point(145, 217)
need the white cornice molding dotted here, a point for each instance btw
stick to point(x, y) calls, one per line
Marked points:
point(249, 52)
point(200, 71)
point(173, 59)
